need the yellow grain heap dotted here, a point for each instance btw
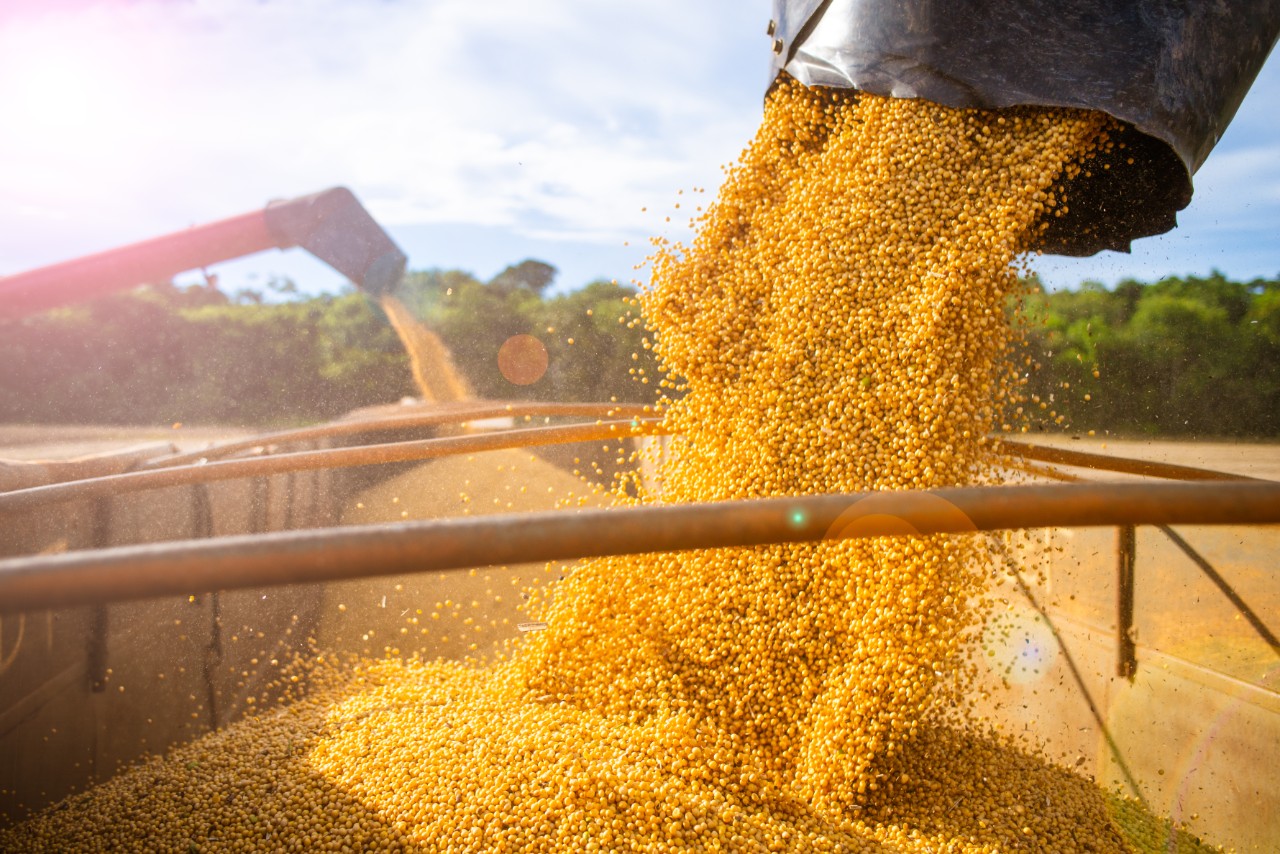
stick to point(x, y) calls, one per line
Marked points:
point(838, 324)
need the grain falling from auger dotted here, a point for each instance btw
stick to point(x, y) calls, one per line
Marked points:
point(838, 324)
point(434, 373)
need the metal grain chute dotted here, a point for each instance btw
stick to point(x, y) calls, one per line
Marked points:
point(1172, 73)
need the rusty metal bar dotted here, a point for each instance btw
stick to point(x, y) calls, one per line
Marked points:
point(1227, 590)
point(365, 455)
point(1019, 450)
point(1125, 465)
point(1126, 559)
point(476, 411)
point(292, 557)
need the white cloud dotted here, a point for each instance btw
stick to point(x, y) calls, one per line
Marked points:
point(555, 116)
point(551, 120)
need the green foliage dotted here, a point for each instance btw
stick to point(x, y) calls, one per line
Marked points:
point(161, 354)
point(474, 319)
point(1183, 356)
point(528, 275)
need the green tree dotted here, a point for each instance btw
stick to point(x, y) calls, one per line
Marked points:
point(1182, 356)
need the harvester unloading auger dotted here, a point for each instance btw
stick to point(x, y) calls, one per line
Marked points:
point(331, 224)
point(1172, 73)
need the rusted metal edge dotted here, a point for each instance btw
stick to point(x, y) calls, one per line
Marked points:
point(391, 452)
point(1126, 594)
point(333, 554)
point(20, 474)
point(335, 429)
point(1124, 465)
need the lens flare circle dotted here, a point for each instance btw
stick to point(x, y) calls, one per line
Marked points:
point(1019, 646)
point(522, 359)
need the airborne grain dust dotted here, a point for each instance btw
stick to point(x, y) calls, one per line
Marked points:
point(434, 373)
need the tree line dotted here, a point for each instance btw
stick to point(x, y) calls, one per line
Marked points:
point(1178, 357)
point(1184, 356)
point(163, 353)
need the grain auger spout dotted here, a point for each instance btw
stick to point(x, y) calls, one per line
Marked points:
point(331, 224)
point(1172, 73)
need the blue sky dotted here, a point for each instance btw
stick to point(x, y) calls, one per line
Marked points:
point(478, 133)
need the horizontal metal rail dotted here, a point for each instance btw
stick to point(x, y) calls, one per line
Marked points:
point(310, 556)
point(202, 467)
point(20, 500)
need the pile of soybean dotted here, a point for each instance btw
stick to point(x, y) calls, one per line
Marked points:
point(838, 324)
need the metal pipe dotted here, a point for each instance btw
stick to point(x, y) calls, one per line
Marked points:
point(178, 470)
point(294, 557)
point(174, 474)
point(1126, 560)
point(391, 452)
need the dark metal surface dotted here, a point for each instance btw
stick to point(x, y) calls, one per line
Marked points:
point(331, 225)
point(1126, 642)
point(1175, 72)
point(292, 557)
point(335, 227)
